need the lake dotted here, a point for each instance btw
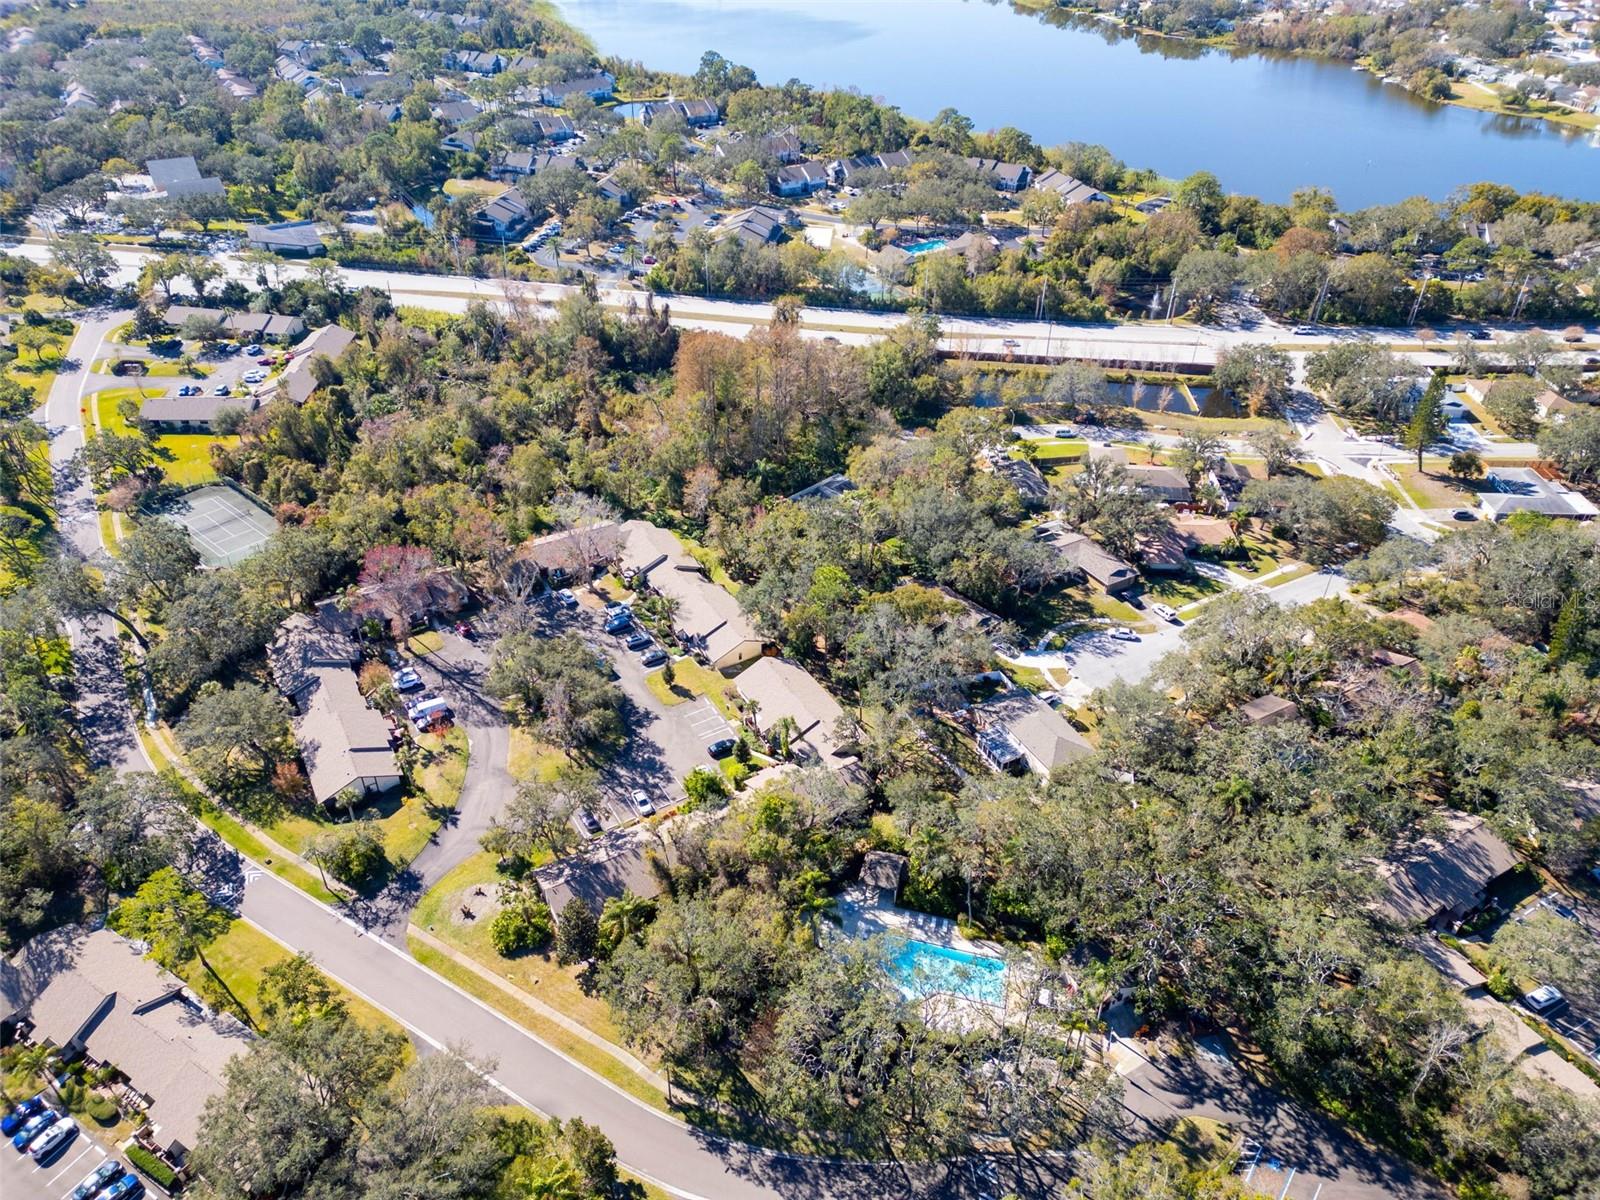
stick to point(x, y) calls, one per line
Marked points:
point(1265, 124)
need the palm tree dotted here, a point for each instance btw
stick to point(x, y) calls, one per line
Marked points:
point(625, 916)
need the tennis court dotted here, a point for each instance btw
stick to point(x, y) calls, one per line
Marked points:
point(224, 526)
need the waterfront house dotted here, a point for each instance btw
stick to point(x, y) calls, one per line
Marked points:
point(1003, 176)
point(598, 86)
point(1071, 190)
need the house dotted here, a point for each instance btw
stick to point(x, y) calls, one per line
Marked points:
point(454, 112)
point(381, 112)
point(523, 63)
point(1017, 731)
point(846, 172)
point(881, 875)
point(78, 96)
point(307, 54)
point(177, 177)
point(298, 239)
point(504, 218)
point(1441, 877)
point(440, 595)
point(554, 129)
point(778, 688)
point(603, 871)
point(189, 414)
point(462, 141)
point(695, 113)
point(1080, 555)
point(1528, 489)
point(290, 71)
point(708, 621)
point(357, 84)
point(610, 189)
point(567, 556)
point(477, 62)
point(346, 745)
point(236, 85)
point(299, 380)
point(783, 146)
point(1165, 483)
point(1031, 485)
point(1394, 660)
point(756, 226)
point(516, 164)
point(1553, 406)
point(597, 87)
point(830, 488)
point(251, 325)
point(94, 995)
point(1072, 191)
point(1002, 176)
point(801, 178)
point(1269, 710)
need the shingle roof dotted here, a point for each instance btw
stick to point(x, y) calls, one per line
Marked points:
point(610, 867)
point(341, 739)
point(1430, 876)
point(298, 382)
point(1048, 738)
point(782, 689)
point(707, 617)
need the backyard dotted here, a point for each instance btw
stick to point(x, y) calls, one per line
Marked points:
point(185, 458)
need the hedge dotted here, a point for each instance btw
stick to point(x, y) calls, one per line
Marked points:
point(152, 1166)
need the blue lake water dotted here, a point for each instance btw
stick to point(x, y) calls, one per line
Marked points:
point(1265, 124)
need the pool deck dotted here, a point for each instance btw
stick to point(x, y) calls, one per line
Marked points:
point(861, 917)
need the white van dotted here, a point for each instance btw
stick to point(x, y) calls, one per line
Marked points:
point(428, 712)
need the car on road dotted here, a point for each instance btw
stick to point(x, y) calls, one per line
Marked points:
point(638, 641)
point(129, 1187)
point(653, 657)
point(721, 748)
point(641, 803)
point(1010, 343)
point(1123, 634)
point(649, 260)
point(1478, 334)
point(407, 680)
point(1544, 999)
point(190, 389)
point(54, 1140)
point(35, 1125)
point(1166, 613)
point(21, 1114)
point(96, 1179)
point(618, 621)
point(566, 599)
point(1305, 331)
point(587, 823)
point(222, 389)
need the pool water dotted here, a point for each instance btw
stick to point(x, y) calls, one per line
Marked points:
point(924, 969)
point(925, 247)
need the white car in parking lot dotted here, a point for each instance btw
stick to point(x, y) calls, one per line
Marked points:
point(256, 376)
point(642, 804)
point(1544, 999)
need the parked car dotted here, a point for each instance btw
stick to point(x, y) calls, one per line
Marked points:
point(641, 803)
point(190, 389)
point(1166, 613)
point(35, 1125)
point(618, 621)
point(222, 389)
point(407, 680)
point(1123, 634)
point(253, 349)
point(587, 823)
point(566, 599)
point(1305, 331)
point(653, 657)
point(429, 712)
point(721, 748)
point(266, 361)
point(129, 1187)
point(393, 657)
point(638, 641)
point(465, 629)
point(256, 376)
point(1464, 514)
point(19, 1116)
point(1544, 999)
point(96, 1179)
point(54, 1140)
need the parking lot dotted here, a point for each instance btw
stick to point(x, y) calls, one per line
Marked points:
point(23, 1179)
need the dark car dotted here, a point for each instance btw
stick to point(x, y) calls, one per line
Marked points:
point(129, 1187)
point(638, 641)
point(618, 621)
point(21, 1115)
point(1478, 335)
point(36, 1124)
point(96, 1179)
point(587, 823)
point(721, 748)
point(653, 657)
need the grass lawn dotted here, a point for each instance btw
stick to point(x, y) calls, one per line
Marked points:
point(1431, 488)
point(1291, 573)
point(475, 187)
point(529, 758)
point(1266, 554)
point(155, 369)
point(404, 821)
point(242, 955)
point(185, 458)
point(1036, 680)
point(711, 560)
point(1053, 450)
point(1180, 590)
point(690, 679)
point(36, 374)
point(1188, 423)
point(38, 302)
point(426, 642)
point(1074, 605)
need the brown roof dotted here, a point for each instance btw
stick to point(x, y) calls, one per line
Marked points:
point(1269, 710)
point(611, 866)
point(1421, 622)
point(707, 617)
point(343, 741)
point(782, 689)
point(1444, 875)
point(882, 870)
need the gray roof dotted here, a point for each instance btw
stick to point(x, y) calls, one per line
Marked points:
point(181, 177)
point(1524, 489)
point(1001, 174)
point(1071, 191)
point(287, 235)
point(306, 644)
point(575, 551)
point(1044, 735)
point(1082, 553)
point(201, 409)
point(883, 870)
point(811, 172)
point(1024, 476)
point(611, 866)
point(342, 740)
point(1164, 481)
point(1444, 875)
point(298, 381)
point(757, 225)
point(783, 689)
point(830, 488)
point(708, 617)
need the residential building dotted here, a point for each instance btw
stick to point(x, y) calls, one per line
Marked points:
point(1080, 555)
point(307, 54)
point(519, 164)
point(290, 71)
point(295, 239)
point(347, 747)
point(708, 620)
point(178, 177)
point(1002, 176)
point(1071, 191)
point(567, 556)
point(1530, 489)
point(477, 62)
point(462, 141)
point(783, 146)
point(1017, 731)
point(608, 867)
point(1165, 483)
point(779, 689)
point(756, 226)
point(299, 380)
point(273, 327)
point(830, 488)
point(1031, 485)
point(610, 189)
point(440, 595)
point(881, 875)
point(597, 87)
point(1269, 710)
point(1439, 877)
point(454, 112)
point(190, 414)
point(94, 995)
point(554, 129)
point(504, 218)
point(801, 178)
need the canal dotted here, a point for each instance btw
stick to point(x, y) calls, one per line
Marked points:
point(1265, 124)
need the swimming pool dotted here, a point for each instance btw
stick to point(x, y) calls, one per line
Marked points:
point(925, 247)
point(924, 969)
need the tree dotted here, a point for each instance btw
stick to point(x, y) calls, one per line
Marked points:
point(88, 261)
point(1427, 419)
point(1278, 450)
point(1553, 950)
point(1465, 465)
point(1196, 454)
point(1514, 404)
point(1204, 277)
point(1574, 444)
point(128, 826)
point(393, 576)
point(1567, 637)
point(355, 858)
point(622, 917)
point(558, 685)
point(577, 933)
point(1528, 352)
point(1328, 519)
point(705, 788)
point(1261, 376)
point(176, 920)
point(522, 924)
point(152, 564)
point(1075, 386)
point(540, 814)
point(241, 725)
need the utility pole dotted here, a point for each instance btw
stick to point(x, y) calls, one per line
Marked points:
point(1322, 294)
point(1416, 304)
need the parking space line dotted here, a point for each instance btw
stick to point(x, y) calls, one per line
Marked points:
point(51, 1182)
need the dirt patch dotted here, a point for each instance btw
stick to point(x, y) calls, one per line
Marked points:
point(477, 904)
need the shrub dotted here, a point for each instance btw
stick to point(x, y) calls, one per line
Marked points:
point(102, 1109)
point(355, 859)
point(524, 925)
point(704, 788)
point(152, 1166)
point(578, 934)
